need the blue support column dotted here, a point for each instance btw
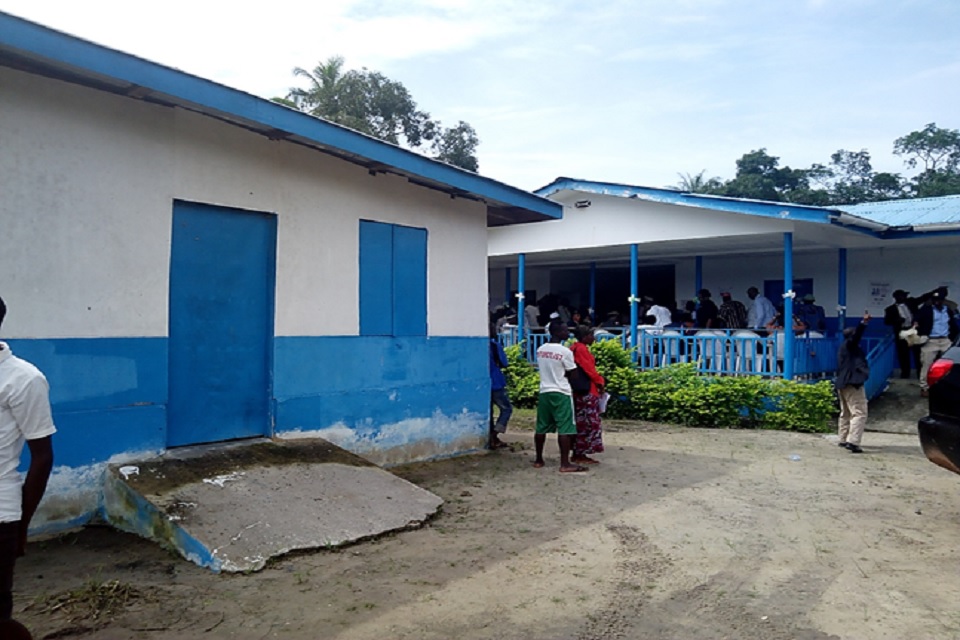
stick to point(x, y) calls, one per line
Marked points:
point(842, 291)
point(507, 281)
point(521, 288)
point(788, 337)
point(698, 278)
point(593, 293)
point(633, 300)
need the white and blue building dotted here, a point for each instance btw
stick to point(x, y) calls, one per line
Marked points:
point(617, 242)
point(190, 264)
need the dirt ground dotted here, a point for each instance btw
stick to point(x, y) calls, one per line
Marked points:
point(679, 533)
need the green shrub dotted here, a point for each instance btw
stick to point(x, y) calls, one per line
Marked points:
point(523, 379)
point(610, 355)
point(679, 395)
point(797, 406)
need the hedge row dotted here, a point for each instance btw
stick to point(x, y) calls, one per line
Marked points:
point(678, 395)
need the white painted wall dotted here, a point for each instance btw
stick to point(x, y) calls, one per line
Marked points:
point(612, 220)
point(906, 264)
point(89, 181)
point(903, 265)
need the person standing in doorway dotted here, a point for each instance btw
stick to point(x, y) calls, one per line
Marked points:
point(852, 374)
point(25, 416)
point(555, 403)
point(498, 392)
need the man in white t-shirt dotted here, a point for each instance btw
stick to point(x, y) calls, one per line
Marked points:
point(555, 403)
point(24, 416)
point(661, 314)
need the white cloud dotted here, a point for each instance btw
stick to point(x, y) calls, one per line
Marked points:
point(623, 90)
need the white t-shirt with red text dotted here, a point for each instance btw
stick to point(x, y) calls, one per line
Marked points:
point(554, 360)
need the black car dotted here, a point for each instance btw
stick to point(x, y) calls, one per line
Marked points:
point(940, 431)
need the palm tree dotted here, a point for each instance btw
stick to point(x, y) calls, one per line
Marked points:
point(698, 183)
point(321, 97)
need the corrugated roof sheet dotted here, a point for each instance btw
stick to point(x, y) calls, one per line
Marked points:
point(913, 212)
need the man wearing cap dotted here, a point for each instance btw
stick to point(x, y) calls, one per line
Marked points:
point(939, 323)
point(899, 316)
point(24, 417)
point(732, 312)
point(707, 312)
point(761, 311)
point(812, 314)
point(947, 302)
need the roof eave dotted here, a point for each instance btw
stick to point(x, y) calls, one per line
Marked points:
point(23, 42)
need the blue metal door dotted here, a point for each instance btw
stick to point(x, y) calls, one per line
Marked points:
point(222, 275)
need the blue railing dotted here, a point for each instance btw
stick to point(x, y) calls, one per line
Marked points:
point(534, 340)
point(740, 352)
point(882, 356)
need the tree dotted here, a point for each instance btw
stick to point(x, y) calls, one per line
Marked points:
point(854, 180)
point(848, 179)
point(457, 146)
point(759, 176)
point(933, 184)
point(699, 183)
point(939, 151)
point(369, 102)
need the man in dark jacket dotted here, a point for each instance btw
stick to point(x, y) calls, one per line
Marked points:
point(852, 373)
point(899, 316)
point(938, 323)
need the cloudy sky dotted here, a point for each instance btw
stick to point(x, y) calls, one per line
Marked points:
point(633, 91)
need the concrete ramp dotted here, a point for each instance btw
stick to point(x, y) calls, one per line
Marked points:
point(898, 408)
point(232, 507)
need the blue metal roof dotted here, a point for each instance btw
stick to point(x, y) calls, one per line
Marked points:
point(764, 208)
point(40, 50)
point(892, 219)
point(913, 212)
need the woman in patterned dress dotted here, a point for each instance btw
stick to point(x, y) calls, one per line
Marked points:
point(587, 406)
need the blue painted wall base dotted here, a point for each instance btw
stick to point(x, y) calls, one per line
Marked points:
point(390, 399)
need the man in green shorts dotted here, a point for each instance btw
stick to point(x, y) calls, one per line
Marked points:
point(555, 404)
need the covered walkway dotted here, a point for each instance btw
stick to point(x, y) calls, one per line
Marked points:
point(668, 245)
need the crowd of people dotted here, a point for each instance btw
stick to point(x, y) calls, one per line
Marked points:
point(569, 403)
point(923, 328)
point(759, 314)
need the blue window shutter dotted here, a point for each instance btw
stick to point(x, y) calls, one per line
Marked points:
point(409, 281)
point(376, 279)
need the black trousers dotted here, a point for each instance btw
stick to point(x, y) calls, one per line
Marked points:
point(9, 538)
point(904, 353)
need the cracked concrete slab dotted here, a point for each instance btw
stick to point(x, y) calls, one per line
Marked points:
point(233, 507)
